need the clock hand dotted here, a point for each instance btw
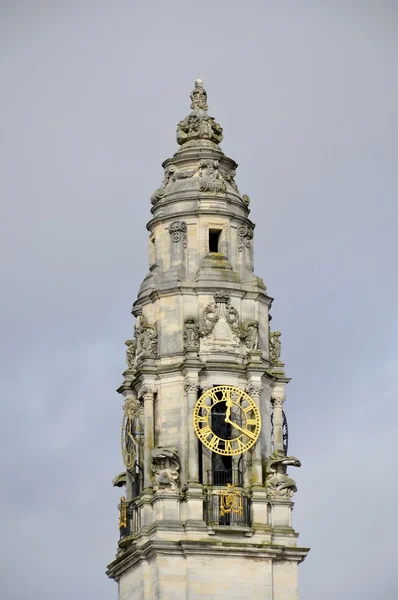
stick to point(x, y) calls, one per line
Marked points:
point(228, 412)
point(248, 433)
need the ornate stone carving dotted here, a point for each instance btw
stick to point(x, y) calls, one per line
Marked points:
point(278, 400)
point(251, 335)
point(131, 353)
point(275, 348)
point(254, 390)
point(165, 469)
point(191, 387)
point(278, 484)
point(191, 334)
point(198, 126)
point(229, 177)
point(148, 393)
point(211, 177)
point(245, 236)
point(178, 232)
point(147, 339)
point(221, 323)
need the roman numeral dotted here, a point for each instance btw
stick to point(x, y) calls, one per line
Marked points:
point(205, 431)
point(251, 421)
point(202, 419)
point(228, 446)
point(240, 445)
point(213, 444)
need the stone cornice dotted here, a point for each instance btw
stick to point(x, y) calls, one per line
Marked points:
point(246, 549)
point(241, 290)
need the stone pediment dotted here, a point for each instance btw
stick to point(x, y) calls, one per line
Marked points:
point(221, 328)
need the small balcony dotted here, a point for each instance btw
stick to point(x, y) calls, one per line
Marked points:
point(227, 506)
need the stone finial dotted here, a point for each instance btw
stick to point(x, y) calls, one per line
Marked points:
point(199, 96)
point(198, 128)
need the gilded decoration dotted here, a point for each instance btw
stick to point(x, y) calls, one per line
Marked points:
point(230, 500)
point(129, 434)
point(238, 428)
point(277, 483)
point(122, 513)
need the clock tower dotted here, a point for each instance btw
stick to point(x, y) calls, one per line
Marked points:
point(206, 506)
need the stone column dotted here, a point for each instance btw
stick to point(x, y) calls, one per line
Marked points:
point(191, 389)
point(254, 390)
point(277, 402)
point(148, 396)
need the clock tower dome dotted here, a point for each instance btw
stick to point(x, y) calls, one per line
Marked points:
point(206, 506)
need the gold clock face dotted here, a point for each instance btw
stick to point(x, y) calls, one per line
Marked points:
point(129, 441)
point(227, 420)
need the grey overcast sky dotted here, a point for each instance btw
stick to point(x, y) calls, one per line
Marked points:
point(91, 91)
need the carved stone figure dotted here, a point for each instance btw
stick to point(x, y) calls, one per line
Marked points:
point(131, 352)
point(198, 126)
point(191, 334)
point(275, 348)
point(178, 232)
point(210, 177)
point(277, 482)
point(147, 339)
point(251, 335)
point(165, 469)
point(230, 178)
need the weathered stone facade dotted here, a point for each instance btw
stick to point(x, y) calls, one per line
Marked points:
point(202, 320)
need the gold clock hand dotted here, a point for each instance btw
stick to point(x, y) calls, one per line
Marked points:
point(248, 433)
point(228, 412)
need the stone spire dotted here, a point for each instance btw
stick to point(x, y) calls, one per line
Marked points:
point(198, 128)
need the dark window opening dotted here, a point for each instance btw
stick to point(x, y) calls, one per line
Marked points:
point(214, 240)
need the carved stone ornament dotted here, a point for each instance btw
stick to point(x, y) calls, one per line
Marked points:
point(191, 387)
point(278, 400)
point(275, 348)
point(221, 324)
point(147, 339)
point(254, 390)
point(178, 232)
point(165, 469)
point(198, 126)
point(131, 353)
point(211, 178)
point(277, 483)
point(191, 334)
point(245, 236)
point(251, 335)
